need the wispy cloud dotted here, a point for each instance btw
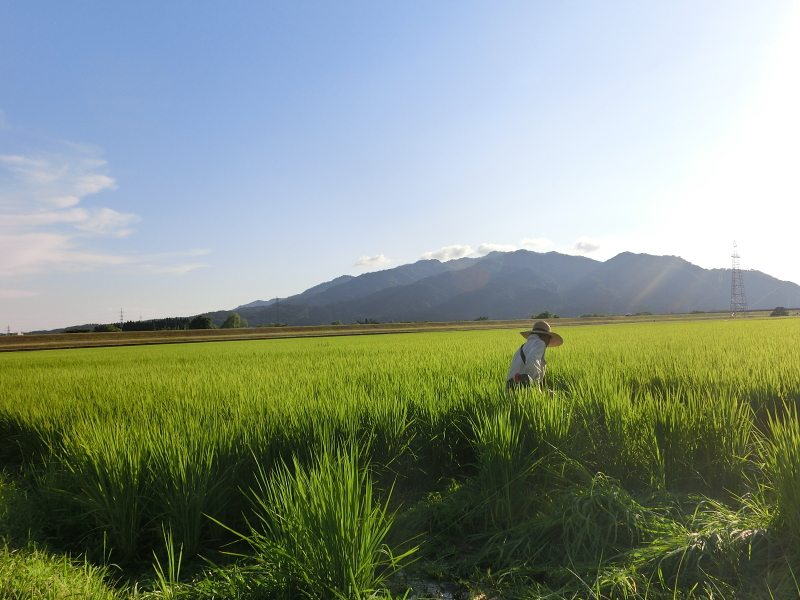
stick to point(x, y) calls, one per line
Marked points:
point(178, 269)
point(56, 180)
point(372, 261)
point(448, 253)
point(42, 228)
point(585, 245)
point(485, 249)
point(108, 222)
point(536, 243)
point(96, 222)
point(42, 252)
point(6, 294)
point(179, 254)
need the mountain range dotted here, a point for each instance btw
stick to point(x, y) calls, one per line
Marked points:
point(514, 285)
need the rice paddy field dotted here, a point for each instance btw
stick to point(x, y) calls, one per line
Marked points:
point(661, 461)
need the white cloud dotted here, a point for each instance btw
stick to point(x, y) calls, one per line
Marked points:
point(107, 222)
point(179, 269)
point(536, 243)
point(41, 228)
point(59, 180)
point(485, 249)
point(5, 294)
point(41, 252)
point(40, 192)
point(372, 261)
point(197, 252)
point(448, 253)
point(96, 222)
point(43, 217)
point(585, 245)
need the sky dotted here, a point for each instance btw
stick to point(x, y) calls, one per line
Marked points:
point(169, 159)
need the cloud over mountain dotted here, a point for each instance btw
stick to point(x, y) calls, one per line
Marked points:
point(448, 253)
point(585, 245)
point(484, 249)
point(536, 243)
point(372, 261)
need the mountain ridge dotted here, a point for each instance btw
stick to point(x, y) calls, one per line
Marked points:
point(514, 285)
point(518, 284)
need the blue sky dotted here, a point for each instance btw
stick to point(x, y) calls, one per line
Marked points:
point(174, 158)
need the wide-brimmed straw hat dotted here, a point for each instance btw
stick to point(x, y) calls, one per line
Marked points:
point(544, 328)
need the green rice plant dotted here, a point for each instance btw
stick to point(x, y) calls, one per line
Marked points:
point(599, 520)
point(783, 464)
point(32, 574)
point(166, 434)
point(715, 548)
point(510, 443)
point(611, 433)
point(108, 467)
point(585, 526)
point(167, 580)
point(323, 528)
point(502, 466)
point(698, 441)
point(187, 480)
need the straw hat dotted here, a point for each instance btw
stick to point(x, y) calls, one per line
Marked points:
point(544, 327)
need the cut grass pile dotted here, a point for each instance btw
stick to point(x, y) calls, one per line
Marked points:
point(665, 463)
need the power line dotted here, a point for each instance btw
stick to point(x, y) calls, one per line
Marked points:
point(738, 296)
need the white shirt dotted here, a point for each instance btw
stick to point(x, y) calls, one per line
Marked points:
point(534, 364)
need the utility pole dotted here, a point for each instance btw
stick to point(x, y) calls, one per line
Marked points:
point(8, 329)
point(738, 296)
point(121, 321)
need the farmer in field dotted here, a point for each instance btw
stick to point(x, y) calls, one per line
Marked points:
point(528, 364)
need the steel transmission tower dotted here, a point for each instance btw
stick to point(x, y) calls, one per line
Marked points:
point(738, 297)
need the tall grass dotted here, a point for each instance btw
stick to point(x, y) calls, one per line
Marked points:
point(33, 574)
point(784, 469)
point(148, 439)
point(322, 528)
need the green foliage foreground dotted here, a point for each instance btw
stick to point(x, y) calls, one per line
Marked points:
point(665, 463)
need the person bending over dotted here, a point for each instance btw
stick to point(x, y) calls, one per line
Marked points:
point(528, 364)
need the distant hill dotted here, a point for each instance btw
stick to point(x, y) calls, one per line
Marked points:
point(317, 289)
point(515, 285)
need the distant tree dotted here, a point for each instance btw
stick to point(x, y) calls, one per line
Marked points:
point(107, 328)
point(697, 312)
point(336, 322)
point(277, 325)
point(201, 322)
point(166, 324)
point(779, 311)
point(77, 331)
point(234, 321)
point(545, 315)
point(368, 322)
point(481, 318)
point(642, 313)
point(594, 315)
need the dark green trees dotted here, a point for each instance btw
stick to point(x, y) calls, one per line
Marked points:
point(201, 322)
point(234, 321)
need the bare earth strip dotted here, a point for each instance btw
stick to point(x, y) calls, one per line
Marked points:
point(138, 338)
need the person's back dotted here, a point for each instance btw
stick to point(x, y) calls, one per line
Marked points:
point(528, 365)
